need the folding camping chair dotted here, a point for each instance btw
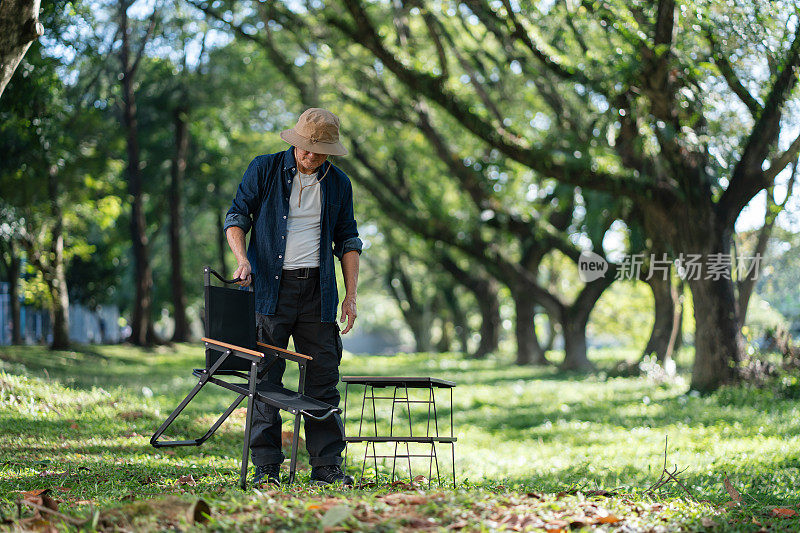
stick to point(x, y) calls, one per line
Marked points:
point(232, 350)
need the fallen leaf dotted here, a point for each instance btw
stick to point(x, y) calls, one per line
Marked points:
point(313, 506)
point(731, 504)
point(32, 493)
point(187, 480)
point(335, 515)
point(73, 426)
point(556, 526)
point(42, 498)
point(603, 493)
point(582, 522)
point(707, 522)
point(782, 511)
point(734, 494)
point(461, 524)
point(420, 479)
point(609, 519)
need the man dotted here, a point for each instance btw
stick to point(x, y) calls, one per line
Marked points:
point(300, 210)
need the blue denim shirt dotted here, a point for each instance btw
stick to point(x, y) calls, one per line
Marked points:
point(262, 204)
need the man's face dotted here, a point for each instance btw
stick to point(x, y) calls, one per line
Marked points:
point(308, 161)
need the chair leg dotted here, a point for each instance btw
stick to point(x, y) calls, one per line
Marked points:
point(248, 422)
point(171, 418)
point(295, 441)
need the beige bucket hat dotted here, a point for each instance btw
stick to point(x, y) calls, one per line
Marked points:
point(317, 130)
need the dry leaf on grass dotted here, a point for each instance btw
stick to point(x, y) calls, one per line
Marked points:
point(603, 493)
point(734, 494)
point(707, 522)
point(609, 519)
point(782, 511)
point(42, 498)
point(581, 521)
point(187, 480)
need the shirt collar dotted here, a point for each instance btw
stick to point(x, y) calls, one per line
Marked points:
point(288, 159)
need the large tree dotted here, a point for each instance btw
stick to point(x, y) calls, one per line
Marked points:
point(19, 27)
point(652, 72)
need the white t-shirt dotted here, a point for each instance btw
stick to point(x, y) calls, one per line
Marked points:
point(303, 227)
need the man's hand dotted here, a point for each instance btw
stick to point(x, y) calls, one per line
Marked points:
point(349, 311)
point(243, 272)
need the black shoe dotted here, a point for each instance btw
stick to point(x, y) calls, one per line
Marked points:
point(327, 474)
point(267, 474)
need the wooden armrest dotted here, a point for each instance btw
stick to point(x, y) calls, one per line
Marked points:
point(232, 347)
point(285, 351)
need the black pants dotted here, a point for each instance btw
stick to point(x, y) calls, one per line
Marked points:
point(298, 314)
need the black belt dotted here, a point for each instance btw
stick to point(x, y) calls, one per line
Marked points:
point(301, 273)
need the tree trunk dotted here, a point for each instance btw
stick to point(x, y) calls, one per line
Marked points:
point(668, 312)
point(489, 306)
point(529, 352)
point(459, 323)
point(13, 271)
point(19, 27)
point(551, 334)
point(60, 307)
point(718, 341)
point(485, 290)
point(445, 341)
point(57, 276)
point(141, 322)
point(575, 346)
point(420, 326)
point(181, 333)
point(574, 320)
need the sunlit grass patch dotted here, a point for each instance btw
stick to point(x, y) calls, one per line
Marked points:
point(78, 423)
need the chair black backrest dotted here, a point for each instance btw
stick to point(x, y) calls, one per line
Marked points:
point(230, 316)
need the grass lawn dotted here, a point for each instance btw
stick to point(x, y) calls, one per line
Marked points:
point(537, 450)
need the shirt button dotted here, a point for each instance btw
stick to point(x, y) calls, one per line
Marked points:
point(280, 257)
point(276, 277)
point(284, 216)
point(283, 236)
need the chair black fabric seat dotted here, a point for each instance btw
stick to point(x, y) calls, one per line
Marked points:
point(232, 350)
point(294, 402)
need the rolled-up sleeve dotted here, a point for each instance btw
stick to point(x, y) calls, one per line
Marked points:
point(345, 232)
point(246, 201)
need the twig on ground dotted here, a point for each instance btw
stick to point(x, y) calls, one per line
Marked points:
point(62, 516)
point(670, 476)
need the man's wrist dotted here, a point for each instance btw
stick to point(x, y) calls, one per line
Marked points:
point(350, 296)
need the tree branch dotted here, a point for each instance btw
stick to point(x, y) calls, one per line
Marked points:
point(563, 166)
point(735, 85)
point(748, 178)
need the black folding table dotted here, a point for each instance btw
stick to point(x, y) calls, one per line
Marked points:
point(400, 396)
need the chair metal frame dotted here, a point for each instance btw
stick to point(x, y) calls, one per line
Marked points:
point(278, 397)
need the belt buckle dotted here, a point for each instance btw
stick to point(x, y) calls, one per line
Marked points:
point(304, 273)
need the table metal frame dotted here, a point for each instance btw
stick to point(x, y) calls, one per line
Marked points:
point(401, 384)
